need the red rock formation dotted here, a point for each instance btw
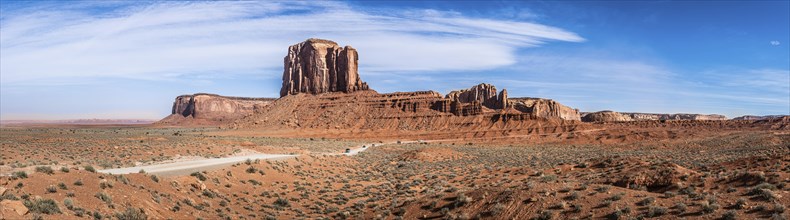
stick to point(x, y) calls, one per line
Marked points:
point(606, 116)
point(654, 116)
point(545, 108)
point(210, 107)
point(479, 93)
point(318, 66)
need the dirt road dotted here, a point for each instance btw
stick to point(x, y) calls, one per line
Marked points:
point(187, 167)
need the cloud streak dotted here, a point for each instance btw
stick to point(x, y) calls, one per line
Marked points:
point(171, 40)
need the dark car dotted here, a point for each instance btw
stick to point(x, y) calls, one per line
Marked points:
point(348, 150)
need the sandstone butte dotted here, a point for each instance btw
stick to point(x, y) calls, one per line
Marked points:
point(322, 89)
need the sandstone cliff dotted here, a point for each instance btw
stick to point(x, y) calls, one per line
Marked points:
point(205, 107)
point(545, 108)
point(755, 117)
point(317, 66)
point(609, 116)
point(606, 116)
point(656, 116)
point(479, 93)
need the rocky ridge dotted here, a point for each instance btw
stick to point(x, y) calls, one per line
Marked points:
point(610, 116)
point(322, 88)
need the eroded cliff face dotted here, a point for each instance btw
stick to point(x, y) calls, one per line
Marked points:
point(545, 108)
point(609, 116)
point(318, 66)
point(210, 107)
point(606, 116)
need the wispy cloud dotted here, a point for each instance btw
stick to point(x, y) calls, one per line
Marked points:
point(170, 40)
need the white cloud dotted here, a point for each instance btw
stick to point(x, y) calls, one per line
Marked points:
point(165, 41)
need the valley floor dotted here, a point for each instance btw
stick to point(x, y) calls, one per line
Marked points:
point(614, 171)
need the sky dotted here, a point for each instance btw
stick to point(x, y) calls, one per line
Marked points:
point(130, 59)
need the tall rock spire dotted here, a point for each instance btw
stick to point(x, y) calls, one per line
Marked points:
point(318, 66)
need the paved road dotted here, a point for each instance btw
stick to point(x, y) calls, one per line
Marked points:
point(187, 167)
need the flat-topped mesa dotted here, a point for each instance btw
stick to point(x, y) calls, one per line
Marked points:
point(318, 66)
point(210, 107)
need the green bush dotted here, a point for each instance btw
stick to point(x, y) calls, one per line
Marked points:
point(43, 206)
point(199, 175)
point(45, 169)
point(281, 202)
point(131, 214)
point(104, 197)
point(90, 168)
point(19, 175)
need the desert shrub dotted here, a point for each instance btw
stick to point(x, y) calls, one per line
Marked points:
point(766, 194)
point(90, 168)
point(616, 197)
point(740, 204)
point(199, 176)
point(281, 202)
point(209, 193)
point(68, 203)
point(251, 170)
point(779, 208)
point(777, 216)
point(105, 184)
point(63, 186)
point(155, 178)
point(549, 178)
point(709, 208)
point(573, 196)
point(655, 211)
point(681, 207)
point(669, 194)
point(52, 189)
point(545, 215)
point(42, 206)
point(603, 189)
point(8, 196)
point(78, 183)
point(646, 201)
point(131, 214)
point(576, 208)
point(64, 169)
point(45, 169)
point(19, 175)
point(729, 215)
point(104, 197)
point(461, 200)
point(559, 205)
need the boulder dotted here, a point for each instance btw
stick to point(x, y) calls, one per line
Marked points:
point(13, 206)
point(318, 66)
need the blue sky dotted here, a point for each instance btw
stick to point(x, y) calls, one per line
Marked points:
point(103, 59)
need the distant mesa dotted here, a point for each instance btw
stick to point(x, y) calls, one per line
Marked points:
point(757, 118)
point(606, 116)
point(610, 116)
point(205, 108)
point(322, 89)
